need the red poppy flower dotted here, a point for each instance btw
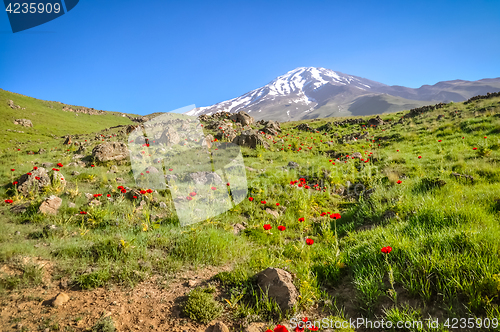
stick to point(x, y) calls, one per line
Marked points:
point(124, 190)
point(307, 187)
point(263, 202)
point(213, 188)
point(96, 195)
point(170, 169)
point(485, 136)
point(474, 148)
point(440, 141)
point(9, 201)
point(37, 178)
point(250, 199)
point(134, 196)
point(92, 165)
point(143, 192)
point(227, 184)
point(18, 149)
point(277, 204)
point(386, 250)
point(83, 212)
point(419, 157)
point(35, 168)
point(302, 219)
point(397, 150)
point(309, 242)
point(267, 227)
point(12, 169)
point(142, 173)
point(109, 195)
point(192, 194)
point(300, 185)
point(149, 191)
point(60, 165)
point(119, 187)
point(147, 172)
point(399, 182)
point(323, 214)
point(14, 183)
point(313, 328)
point(189, 198)
point(335, 216)
point(28, 173)
point(281, 228)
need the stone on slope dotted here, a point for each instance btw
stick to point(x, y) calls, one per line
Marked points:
point(50, 205)
point(110, 151)
point(279, 287)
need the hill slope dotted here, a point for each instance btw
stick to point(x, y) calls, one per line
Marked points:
point(49, 119)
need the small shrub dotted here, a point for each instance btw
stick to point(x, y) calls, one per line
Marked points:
point(104, 325)
point(201, 306)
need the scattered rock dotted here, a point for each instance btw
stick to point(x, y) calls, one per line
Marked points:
point(163, 205)
point(357, 155)
point(19, 208)
point(94, 202)
point(256, 327)
point(110, 151)
point(217, 327)
point(51, 205)
point(72, 205)
point(238, 228)
point(60, 299)
point(293, 164)
point(279, 286)
point(38, 179)
point(169, 137)
point(376, 121)
point(243, 118)
point(250, 139)
point(120, 180)
point(275, 214)
point(192, 283)
point(23, 122)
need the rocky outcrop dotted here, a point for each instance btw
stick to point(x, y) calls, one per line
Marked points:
point(23, 122)
point(83, 110)
point(110, 151)
point(271, 127)
point(376, 121)
point(169, 137)
point(243, 118)
point(250, 139)
point(305, 127)
point(33, 181)
point(420, 110)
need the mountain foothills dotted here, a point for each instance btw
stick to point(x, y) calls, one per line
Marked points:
point(309, 93)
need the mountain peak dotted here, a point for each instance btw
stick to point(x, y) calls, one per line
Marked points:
point(308, 92)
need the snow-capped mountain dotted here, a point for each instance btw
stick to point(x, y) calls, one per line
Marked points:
point(309, 92)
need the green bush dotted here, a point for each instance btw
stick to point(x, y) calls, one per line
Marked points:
point(201, 306)
point(104, 325)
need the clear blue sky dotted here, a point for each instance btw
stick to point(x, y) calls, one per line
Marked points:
point(158, 55)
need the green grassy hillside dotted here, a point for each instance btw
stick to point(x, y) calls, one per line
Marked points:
point(48, 119)
point(427, 186)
